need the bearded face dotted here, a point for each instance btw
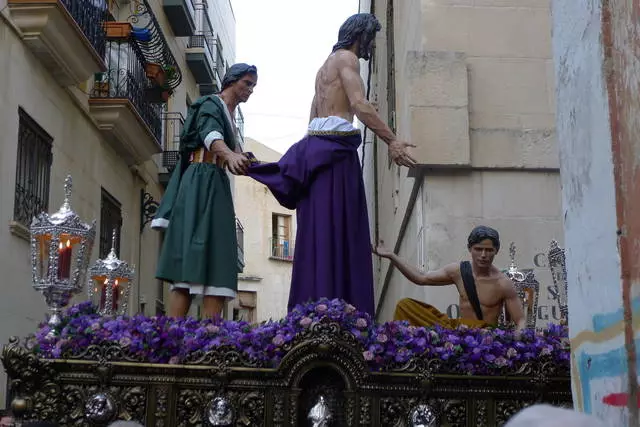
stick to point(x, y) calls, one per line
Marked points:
point(367, 43)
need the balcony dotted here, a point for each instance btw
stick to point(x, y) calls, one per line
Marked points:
point(65, 35)
point(180, 14)
point(172, 123)
point(201, 55)
point(281, 249)
point(240, 237)
point(120, 104)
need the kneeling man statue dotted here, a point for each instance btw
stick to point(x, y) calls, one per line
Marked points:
point(483, 289)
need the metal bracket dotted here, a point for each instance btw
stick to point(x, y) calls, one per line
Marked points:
point(148, 208)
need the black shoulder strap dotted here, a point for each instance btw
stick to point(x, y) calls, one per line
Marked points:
point(470, 287)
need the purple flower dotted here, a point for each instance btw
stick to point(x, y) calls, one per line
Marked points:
point(305, 322)
point(278, 340)
point(384, 346)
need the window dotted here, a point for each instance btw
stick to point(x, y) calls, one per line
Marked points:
point(33, 170)
point(110, 221)
point(281, 246)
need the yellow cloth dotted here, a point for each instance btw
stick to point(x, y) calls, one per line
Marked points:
point(418, 313)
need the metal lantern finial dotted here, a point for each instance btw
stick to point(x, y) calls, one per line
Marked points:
point(61, 246)
point(513, 273)
point(110, 282)
point(558, 267)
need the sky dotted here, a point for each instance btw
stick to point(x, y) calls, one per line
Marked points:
point(288, 40)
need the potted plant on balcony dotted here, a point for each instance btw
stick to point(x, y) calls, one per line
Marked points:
point(159, 74)
point(100, 85)
point(117, 30)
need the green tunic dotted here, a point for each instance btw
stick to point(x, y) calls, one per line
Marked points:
point(200, 246)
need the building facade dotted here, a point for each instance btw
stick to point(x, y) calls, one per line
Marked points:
point(471, 84)
point(97, 89)
point(269, 236)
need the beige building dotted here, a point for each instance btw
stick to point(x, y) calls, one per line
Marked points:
point(79, 96)
point(472, 84)
point(269, 236)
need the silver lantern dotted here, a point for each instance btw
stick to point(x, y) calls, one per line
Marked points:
point(60, 251)
point(110, 283)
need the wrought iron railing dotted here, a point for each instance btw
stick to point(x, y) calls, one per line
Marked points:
point(89, 15)
point(281, 248)
point(151, 43)
point(219, 56)
point(125, 78)
point(240, 237)
point(172, 128)
point(204, 37)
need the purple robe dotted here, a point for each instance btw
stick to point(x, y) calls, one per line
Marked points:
point(320, 178)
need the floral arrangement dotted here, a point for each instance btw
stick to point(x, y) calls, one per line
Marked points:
point(384, 346)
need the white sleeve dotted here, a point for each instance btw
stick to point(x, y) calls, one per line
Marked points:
point(212, 136)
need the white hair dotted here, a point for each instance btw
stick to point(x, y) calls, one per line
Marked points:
point(125, 424)
point(543, 415)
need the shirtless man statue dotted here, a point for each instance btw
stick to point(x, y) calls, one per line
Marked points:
point(493, 289)
point(320, 177)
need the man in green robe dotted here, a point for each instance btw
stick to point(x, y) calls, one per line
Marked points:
point(199, 252)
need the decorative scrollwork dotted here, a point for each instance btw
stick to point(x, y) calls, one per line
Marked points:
point(251, 409)
point(221, 358)
point(394, 410)
point(365, 411)
point(327, 362)
point(482, 413)
point(455, 412)
point(148, 209)
point(162, 405)
point(189, 407)
point(424, 369)
point(105, 353)
point(28, 373)
point(134, 403)
point(505, 409)
point(278, 408)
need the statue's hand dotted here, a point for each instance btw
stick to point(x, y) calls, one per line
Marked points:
point(237, 163)
point(382, 251)
point(399, 153)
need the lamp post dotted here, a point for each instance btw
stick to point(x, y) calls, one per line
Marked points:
point(60, 251)
point(110, 283)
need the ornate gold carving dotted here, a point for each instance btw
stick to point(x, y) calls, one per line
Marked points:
point(324, 359)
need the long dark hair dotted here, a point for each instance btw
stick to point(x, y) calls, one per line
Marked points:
point(359, 27)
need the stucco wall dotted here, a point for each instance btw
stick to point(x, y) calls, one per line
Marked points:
point(475, 91)
point(594, 193)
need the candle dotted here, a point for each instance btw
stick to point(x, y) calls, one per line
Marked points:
point(64, 260)
point(114, 295)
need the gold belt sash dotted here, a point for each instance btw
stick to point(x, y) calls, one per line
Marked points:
point(202, 155)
